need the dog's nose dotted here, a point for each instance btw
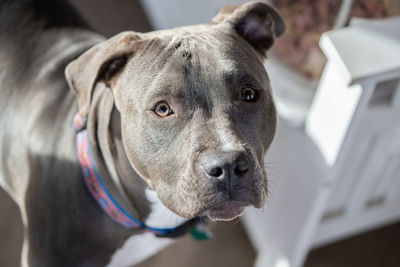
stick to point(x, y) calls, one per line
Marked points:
point(226, 166)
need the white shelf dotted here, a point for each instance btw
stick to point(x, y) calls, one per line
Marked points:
point(351, 48)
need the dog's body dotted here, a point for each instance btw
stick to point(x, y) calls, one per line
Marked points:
point(38, 161)
point(38, 164)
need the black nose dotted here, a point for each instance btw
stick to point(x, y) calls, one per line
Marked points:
point(226, 166)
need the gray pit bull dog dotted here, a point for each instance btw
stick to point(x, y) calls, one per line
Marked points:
point(178, 123)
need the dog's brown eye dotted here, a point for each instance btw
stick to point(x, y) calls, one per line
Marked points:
point(162, 109)
point(248, 94)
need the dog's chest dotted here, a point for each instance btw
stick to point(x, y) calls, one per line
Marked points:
point(139, 247)
point(161, 216)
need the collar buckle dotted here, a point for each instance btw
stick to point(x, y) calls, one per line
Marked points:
point(182, 229)
point(79, 123)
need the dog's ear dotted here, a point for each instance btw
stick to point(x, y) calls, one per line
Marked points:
point(257, 22)
point(101, 62)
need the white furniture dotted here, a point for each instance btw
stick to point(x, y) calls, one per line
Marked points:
point(338, 175)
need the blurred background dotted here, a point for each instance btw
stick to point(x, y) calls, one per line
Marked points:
point(334, 167)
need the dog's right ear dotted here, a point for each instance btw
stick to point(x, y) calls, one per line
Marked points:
point(101, 62)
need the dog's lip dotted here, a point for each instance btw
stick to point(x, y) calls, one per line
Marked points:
point(227, 211)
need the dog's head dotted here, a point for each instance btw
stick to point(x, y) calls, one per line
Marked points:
point(197, 114)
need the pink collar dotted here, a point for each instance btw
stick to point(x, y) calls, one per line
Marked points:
point(104, 199)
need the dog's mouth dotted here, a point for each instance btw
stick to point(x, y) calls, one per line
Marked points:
point(227, 211)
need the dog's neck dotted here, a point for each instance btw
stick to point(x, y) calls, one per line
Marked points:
point(125, 185)
point(108, 159)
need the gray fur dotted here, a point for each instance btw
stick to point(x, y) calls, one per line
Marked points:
point(199, 70)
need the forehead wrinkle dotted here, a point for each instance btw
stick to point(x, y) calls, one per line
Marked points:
point(196, 92)
point(165, 81)
point(237, 55)
point(206, 77)
point(159, 89)
point(208, 40)
point(165, 58)
point(229, 63)
point(163, 93)
point(239, 76)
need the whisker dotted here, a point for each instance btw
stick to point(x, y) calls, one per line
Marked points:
point(272, 162)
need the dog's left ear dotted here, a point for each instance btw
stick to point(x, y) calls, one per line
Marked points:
point(101, 62)
point(257, 22)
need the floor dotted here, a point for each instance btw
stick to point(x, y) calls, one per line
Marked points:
point(10, 232)
point(110, 19)
point(229, 247)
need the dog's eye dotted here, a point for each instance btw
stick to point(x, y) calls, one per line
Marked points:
point(248, 94)
point(162, 109)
